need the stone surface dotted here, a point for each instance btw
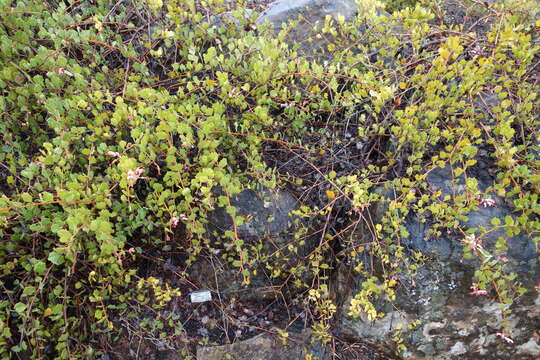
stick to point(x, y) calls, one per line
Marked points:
point(310, 14)
point(267, 212)
point(313, 11)
point(448, 248)
point(267, 226)
point(374, 331)
point(265, 347)
point(453, 323)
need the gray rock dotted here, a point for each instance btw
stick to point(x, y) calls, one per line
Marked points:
point(448, 247)
point(452, 322)
point(310, 14)
point(264, 347)
point(267, 212)
point(268, 227)
point(427, 349)
point(373, 331)
point(314, 11)
point(459, 348)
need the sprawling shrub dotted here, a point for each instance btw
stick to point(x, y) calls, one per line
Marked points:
point(120, 121)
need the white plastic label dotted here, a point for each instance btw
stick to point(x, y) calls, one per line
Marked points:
point(201, 296)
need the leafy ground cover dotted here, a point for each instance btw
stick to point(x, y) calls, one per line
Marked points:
point(119, 121)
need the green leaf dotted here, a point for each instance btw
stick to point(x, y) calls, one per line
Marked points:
point(20, 307)
point(127, 164)
point(57, 309)
point(64, 235)
point(29, 290)
point(98, 314)
point(56, 258)
point(46, 196)
point(40, 267)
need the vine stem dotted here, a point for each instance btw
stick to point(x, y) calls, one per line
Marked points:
point(19, 12)
point(46, 203)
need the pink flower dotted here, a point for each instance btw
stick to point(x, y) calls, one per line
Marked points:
point(174, 221)
point(477, 51)
point(60, 71)
point(473, 242)
point(286, 105)
point(112, 153)
point(505, 338)
point(476, 292)
point(134, 175)
point(487, 202)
